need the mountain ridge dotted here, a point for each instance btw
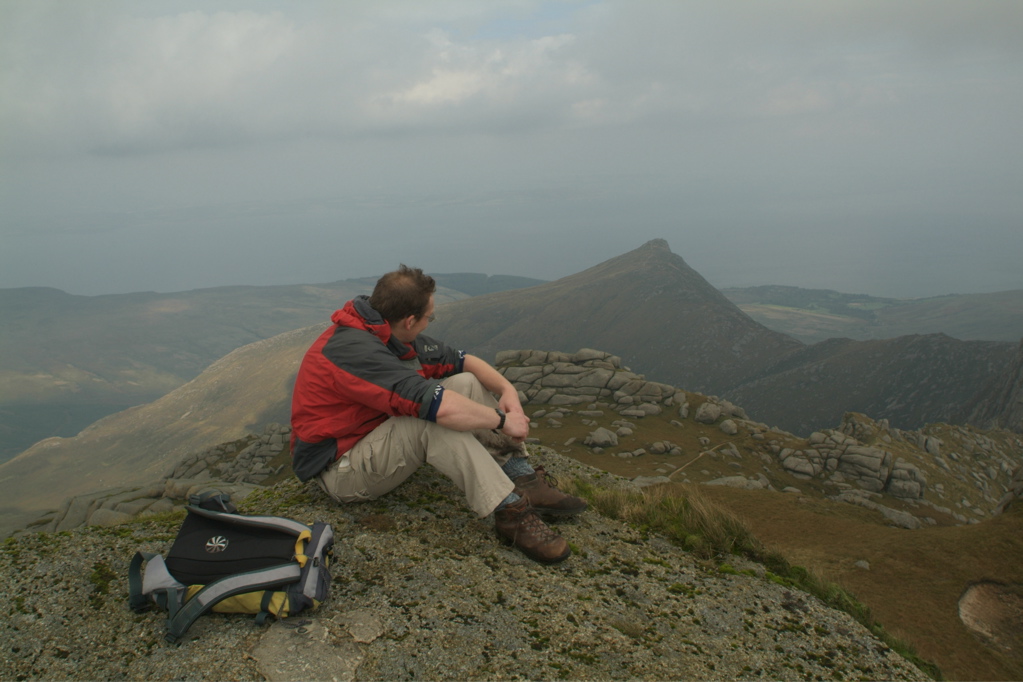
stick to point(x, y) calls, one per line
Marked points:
point(655, 300)
point(67, 360)
point(815, 315)
point(154, 342)
point(635, 306)
point(909, 380)
point(663, 319)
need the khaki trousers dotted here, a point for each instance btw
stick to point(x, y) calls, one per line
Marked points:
point(389, 454)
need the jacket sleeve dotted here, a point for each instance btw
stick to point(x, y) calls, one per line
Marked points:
point(367, 373)
point(437, 358)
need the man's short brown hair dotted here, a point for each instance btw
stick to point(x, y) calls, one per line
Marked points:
point(401, 293)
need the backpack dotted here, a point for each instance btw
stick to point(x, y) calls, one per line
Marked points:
point(227, 562)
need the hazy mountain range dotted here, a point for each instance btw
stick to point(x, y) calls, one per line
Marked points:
point(663, 319)
point(813, 315)
point(646, 306)
point(66, 361)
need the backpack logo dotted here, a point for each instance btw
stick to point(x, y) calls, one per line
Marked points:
point(216, 544)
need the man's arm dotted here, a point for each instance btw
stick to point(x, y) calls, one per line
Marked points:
point(462, 414)
point(494, 382)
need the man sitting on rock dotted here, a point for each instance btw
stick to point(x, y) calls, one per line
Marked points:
point(374, 399)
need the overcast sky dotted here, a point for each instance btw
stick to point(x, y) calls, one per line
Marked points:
point(867, 147)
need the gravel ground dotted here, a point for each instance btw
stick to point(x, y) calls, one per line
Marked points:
point(424, 590)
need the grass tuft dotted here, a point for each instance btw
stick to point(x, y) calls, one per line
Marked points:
point(692, 521)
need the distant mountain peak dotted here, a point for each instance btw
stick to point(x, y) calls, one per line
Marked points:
point(647, 306)
point(660, 244)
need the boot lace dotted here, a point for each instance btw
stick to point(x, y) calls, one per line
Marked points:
point(541, 473)
point(532, 523)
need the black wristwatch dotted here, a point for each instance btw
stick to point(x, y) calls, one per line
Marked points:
point(502, 415)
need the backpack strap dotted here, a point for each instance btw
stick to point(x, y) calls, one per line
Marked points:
point(138, 601)
point(273, 522)
point(157, 586)
point(319, 544)
point(213, 500)
point(182, 618)
point(264, 608)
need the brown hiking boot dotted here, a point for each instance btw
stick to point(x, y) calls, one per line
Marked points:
point(540, 488)
point(518, 524)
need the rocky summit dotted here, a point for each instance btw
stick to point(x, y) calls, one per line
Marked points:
point(423, 589)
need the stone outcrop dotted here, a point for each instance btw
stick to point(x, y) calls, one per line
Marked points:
point(927, 468)
point(1014, 494)
point(237, 468)
point(554, 378)
point(844, 458)
point(897, 517)
point(253, 463)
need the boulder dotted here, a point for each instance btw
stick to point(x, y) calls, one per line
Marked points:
point(601, 438)
point(799, 466)
point(708, 413)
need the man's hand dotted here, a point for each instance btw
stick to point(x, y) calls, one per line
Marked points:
point(459, 413)
point(516, 425)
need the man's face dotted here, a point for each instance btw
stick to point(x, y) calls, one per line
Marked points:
point(411, 327)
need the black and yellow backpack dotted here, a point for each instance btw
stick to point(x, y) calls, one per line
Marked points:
point(227, 562)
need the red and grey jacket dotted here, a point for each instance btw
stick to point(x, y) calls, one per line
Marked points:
point(354, 377)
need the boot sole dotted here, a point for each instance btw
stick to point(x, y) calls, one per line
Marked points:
point(542, 511)
point(556, 560)
point(539, 560)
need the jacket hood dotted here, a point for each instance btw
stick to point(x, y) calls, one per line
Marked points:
point(359, 314)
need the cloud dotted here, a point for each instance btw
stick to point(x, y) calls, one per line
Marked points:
point(458, 125)
point(111, 78)
point(110, 81)
point(126, 82)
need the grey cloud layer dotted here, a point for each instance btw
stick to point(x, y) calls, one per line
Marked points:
point(88, 76)
point(758, 138)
